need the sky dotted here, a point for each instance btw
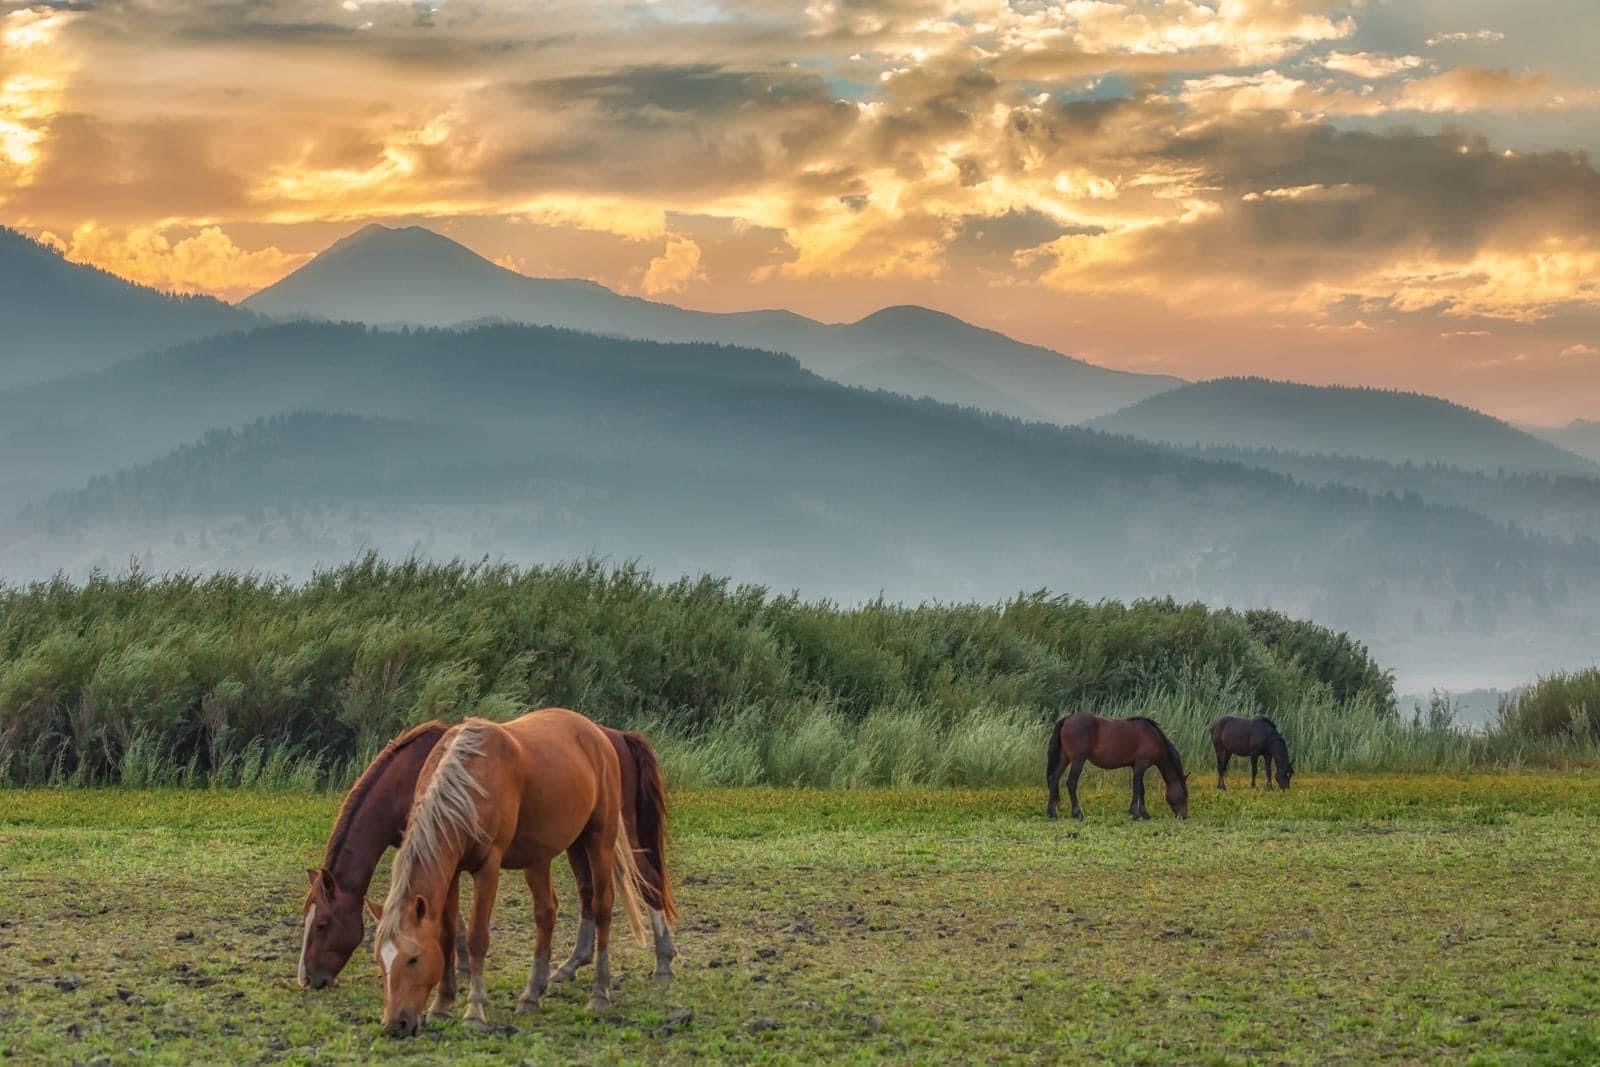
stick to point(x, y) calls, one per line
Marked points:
point(1392, 192)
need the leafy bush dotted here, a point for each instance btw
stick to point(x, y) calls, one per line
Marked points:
point(237, 679)
point(1557, 706)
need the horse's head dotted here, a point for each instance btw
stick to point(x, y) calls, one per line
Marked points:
point(1285, 772)
point(408, 953)
point(333, 930)
point(1178, 795)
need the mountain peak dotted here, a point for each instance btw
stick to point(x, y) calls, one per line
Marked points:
point(904, 315)
point(375, 237)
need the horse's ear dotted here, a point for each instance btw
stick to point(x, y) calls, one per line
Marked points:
point(373, 908)
point(313, 874)
point(421, 906)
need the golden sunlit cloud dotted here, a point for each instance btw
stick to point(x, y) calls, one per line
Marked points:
point(32, 76)
point(207, 262)
point(673, 270)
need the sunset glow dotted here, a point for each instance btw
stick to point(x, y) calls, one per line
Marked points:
point(1383, 193)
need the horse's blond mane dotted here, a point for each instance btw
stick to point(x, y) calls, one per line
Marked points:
point(443, 816)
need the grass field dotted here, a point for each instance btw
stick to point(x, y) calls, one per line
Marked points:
point(1354, 919)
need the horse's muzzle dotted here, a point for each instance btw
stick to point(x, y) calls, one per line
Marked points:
point(404, 1025)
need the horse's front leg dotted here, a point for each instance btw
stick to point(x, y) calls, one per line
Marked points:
point(1253, 772)
point(1266, 770)
point(1138, 810)
point(1072, 787)
point(444, 998)
point(485, 884)
point(583, 951)
point(544, 921)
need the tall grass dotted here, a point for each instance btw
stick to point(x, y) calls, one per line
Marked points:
point(1558, 706)
point(230, 679)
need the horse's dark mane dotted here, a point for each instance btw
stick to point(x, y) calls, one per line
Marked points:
point(1172, 750)
point(369, 777)
point(1269, 722)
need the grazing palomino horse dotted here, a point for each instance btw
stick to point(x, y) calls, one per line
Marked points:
point(373, 819)
point(495, 796)
point(1109, 743)
point(1257, 737)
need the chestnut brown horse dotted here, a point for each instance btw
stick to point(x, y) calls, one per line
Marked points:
point(496, 796)
point(1256, 738)
point(1108, 743)
point(372, 820)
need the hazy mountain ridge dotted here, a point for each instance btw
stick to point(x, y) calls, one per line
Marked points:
point(542, 444)
point(62, 318)
point(1392, 426)
point(1580, 436)
point(383, 276)
point(1557, 505)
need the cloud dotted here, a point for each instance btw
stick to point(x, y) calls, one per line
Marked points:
point(1461, 36)
point(207, 261)
point(1476, 88)
point(674, 270)
point(1368, 65)
point(1580, 351)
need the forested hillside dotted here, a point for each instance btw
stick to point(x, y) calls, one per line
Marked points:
point(60, 318)
point(1394, 427)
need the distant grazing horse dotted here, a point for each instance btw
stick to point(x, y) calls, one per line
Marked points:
point(373, 819)
point(1258, 737)
point(1109, 743)
point(496, 796)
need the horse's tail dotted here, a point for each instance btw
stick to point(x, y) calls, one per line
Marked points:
point(625, 875)
point(650, 817)
point(1052, 765)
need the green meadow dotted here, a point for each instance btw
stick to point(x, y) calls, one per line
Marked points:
point(1355, 918)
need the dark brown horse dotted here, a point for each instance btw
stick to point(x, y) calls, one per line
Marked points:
point(1256, 738)
point(372, 820)
point(1108, 743)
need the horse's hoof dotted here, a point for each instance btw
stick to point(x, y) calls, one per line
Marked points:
point(527, 1005)
point(1051, 815)
point(663, 974)
point(563, 975)
point(475, 1022)
point(439, 1015)
point(598, 1003)
point(1078, 815)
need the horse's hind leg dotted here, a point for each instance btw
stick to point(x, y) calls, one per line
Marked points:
point(1137, 810)
point(544, 922)
point(583, 951)
point(1223, 756)
point(600, 858)
point(654, 897)
point(485, 884)
point(1072, 787)
point(1052, 781)
point(444, 998)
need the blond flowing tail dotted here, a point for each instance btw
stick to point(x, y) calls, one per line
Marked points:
point(625, 872)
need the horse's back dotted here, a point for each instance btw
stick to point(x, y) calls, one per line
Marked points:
point(567, 775)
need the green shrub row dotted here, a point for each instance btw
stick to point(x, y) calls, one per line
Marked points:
point(203, 678)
